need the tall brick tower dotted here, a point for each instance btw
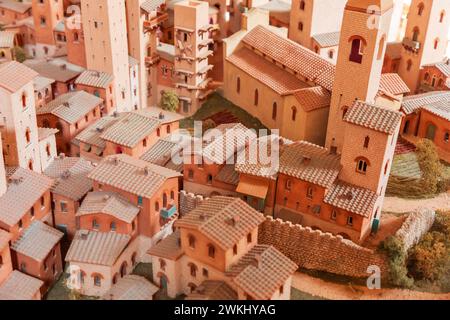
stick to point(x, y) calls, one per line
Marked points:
point(105, 37)
point(3, 185)
point(426, 38)
point(362, 47)
point(46, 15)
point(192, 36)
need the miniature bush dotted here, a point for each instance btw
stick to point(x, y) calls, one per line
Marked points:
point(169, 101)
point(430, 165)
point(398, 272)
point(20, 54)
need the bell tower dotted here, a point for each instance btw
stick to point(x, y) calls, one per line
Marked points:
point(362, 47)
point(46, 16)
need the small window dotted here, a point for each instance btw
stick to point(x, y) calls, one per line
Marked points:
point(140, 200)
point(238, 85)
point(366, 142)
point(446, 137)
point(436, 43)
point(294, 113)
point(281, 289)
point(309, 193)
point(193, 270)
point(442, 16)
point(235, 249)
point(331, 54)
point(288, 185)
point(63, 206)
point(362, 165)
point(249, 237)
point(97, 281)
point(333, 214)
point(191, 240)
point(162, 264)
point(302, 5)
point(24, 100)
point(356, 53)
point(191, 174)
point(209, 179)
point(205, 273)
point(274, 111)
point(409, 65)
point(350, 221)
point(113, 226)
point(256, 97)
point(211, 251)
point(95, 224)
point(300, 26)
point(420, 9)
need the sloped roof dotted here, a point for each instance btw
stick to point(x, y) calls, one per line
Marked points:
point(23, 184)
point(71, 106)
point(44, 133)
point(373, 117)
point(169, 247)
point(109, 203)
point(131, 287)
point(95, 79)
point(7, 39)
point(151, 5)
point(313, 98)
point(19, 286)
point(329, 39)
point(58, 70)
point(71, 177)
point(415, 102)
point(262, 271)
point(92, 134)
point(213, 290)
point(132, 175)
point(14, 5)
point(15, 75)
point(223, 220)
point(103, 248)
point(392, 83)
point(440, 109)
point(37, 241)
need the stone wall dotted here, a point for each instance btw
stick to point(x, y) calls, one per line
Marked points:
point(415, 226)
point(189, 201)
point(316, 250)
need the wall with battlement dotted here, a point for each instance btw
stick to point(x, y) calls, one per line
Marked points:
point(316, 250)
point(189, 201)
point(415, 226)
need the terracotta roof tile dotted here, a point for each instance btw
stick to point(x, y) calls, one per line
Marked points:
point(374, 117)
point(92, 134)
point(23, 184)
point(41, 82)
point(14, 5)
point(311, 163)
point(213, 290)
point(7, 39)
point(131, 287)
point(61, 71)
point(37, 241)
point(228, 175)
point(392, 83)
point(44, 133)
point(15, 75)
point(19, 286)
point(443, 67)
point(223, 220)
point(295, 57)
point(440, 109)
point(109, 203)
point(262, 271)
point(415, 102)
point(103, 248)
point(313, 98)
point(351, 198)
point(131, 129)
point(329, 39)
point(168, 248)
point(95, 79)
point(71, 177)
point(132, 175)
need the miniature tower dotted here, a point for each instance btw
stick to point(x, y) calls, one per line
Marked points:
point(3, 185)
point(76, 52)
point(311, 17)
point(105, 37)
point(18, 123)
point(425, 40)
point(191, 54)
point(46, 15)
point(358, 71)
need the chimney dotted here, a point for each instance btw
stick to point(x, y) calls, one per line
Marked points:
point(146, 171)
point(84, 234)
point(65, 175)
point(256, 261)
point(306, 160)
point(115, 161)
point(161, 116)
point(62, 156)
point(234, 220)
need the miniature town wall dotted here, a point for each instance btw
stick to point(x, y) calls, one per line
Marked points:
point(189, 201)
point(316, 250)
point(415, 226)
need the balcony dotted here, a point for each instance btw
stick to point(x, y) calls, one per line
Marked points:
point(154, 59)
point(411, 45)
point(168, 213)
point(153, 23)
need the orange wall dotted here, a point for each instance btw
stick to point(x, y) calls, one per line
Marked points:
point(104, 221)
point(6, 267)
point(65, 218)
point(442, 127)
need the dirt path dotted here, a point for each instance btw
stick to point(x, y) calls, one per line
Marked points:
point(335, 291)
point(398, 205)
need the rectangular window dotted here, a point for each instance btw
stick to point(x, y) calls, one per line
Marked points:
point(63, 206)
point(350, 221)
point(140, 201)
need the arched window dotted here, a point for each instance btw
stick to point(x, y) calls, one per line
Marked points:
point(249, 237)
point(256, 97)
point(172, 195)
point(409, 65)
point(366, 142)
point(191, 240)
point(168, 129)
point(274, 111)
point(164, 200)
point(192, 269)
point(30, 164)
point(442, 16)
point(331, 54)
point(426, 77)
point(302, 5)
point(300, 26)
point(361, 165)
point(28, 135)
point(211, 251)
point(75, 36)
point(436, 43)
point(238, 85)
point(97, 280)
point(381, 47)
point(294, 113)
point(24, 100)
point(416, 33)
point(420, 8)
point(235, 249)
point(357, 49)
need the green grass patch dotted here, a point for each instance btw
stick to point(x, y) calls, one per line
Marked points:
point(300, 295)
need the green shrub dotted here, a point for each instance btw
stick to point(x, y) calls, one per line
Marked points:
point(20, 54)
point(430, 165)
point(397, 257)
point(169, 101)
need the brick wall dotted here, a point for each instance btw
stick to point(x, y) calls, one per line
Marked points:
point(189, 201)
point(316, 250)
point(415, 226)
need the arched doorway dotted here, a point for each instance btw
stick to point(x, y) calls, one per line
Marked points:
point(406, 127)
point(431, 132)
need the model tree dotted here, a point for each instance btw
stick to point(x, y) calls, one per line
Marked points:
point(20, 54)
point(169, 101)
point(430, 165)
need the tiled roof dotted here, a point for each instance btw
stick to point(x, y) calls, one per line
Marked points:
point(7, 39)
point(415, 102)
point(95, 79)
point(14, 5)
point(132, 62)
point(109, 203)
point(351, 198)
point(131, 287)
point(37, 241)
point(213, 290)
point(151, 5)
point(131, 129)
point(93, 247)
point(222, 220)
point(440, 109)
point(276, 78)
point(168, 248)
point(311, 163)
point(71, 106)
point(15, 75)
point(41, 82)
point(373, 117)
point(27, 22)
point(60, 71)
point(44, 133)
point(444, 67)
point(163, 116)
point(71, 177)
point(23, 184)
point(329, 39)
point(250, 162)
point(92, 134)
point(262, 271)
point(4, 239)
point(392, 83)
point(160, 153)
point(19, 286)
point(303, 61)
point(228, 175)
point(394, 50)
point(313, 98)
point(132, 175)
